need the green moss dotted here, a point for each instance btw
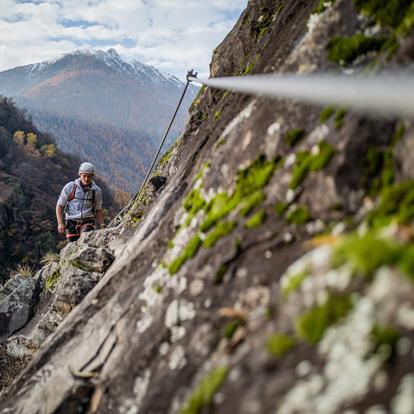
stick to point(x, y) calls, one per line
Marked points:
point(220, 230)
point(256, 220)
point(231, 327)
point(220, 142)
point(366, 253)
point(378, 170)
point(248, 181)
point(262, 32)
point(280, 208)
point(323, 5)
point(300, 169)
point(294, 136)
point(326, 114)
point(202, 397)
point(170, 244)
point(202, 170)
point(339, 118)
point(312, 325)
point(320, 160)
point(294, 282)
point(193, 203)
point(305, 162)
point(217, 114)
point(248, 69)
point(398, 134)
point(218, 208)
point(396, 204)
point(256, 176)
point(279, 344)
point(344, 50)
point(406, 26)
point(252, 201)
point(369, 252)
point(300, 215)
point(157, 288)
point(188, 252)
point(197, 99)
point(52, 280)
point(390, 13)
point(218, 279)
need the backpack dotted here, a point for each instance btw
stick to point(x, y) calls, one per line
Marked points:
point(72, 196)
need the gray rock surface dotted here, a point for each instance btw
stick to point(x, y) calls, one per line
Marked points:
point(17, 300)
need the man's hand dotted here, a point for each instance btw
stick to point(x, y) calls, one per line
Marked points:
point(61, 228)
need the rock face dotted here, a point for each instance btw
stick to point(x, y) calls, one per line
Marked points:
point(273, 272)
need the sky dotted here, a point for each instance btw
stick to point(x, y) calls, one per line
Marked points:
point(172, 35)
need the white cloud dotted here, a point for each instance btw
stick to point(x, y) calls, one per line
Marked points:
point(173, 36)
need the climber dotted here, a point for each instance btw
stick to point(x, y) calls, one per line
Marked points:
point(81, 203)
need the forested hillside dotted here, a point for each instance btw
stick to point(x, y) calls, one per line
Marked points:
point(32, 174)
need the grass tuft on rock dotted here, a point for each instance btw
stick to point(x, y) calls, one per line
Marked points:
point(52, 280)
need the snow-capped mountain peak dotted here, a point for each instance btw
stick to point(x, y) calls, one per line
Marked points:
point(113, 60)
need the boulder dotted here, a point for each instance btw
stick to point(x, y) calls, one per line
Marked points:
point(17, 301)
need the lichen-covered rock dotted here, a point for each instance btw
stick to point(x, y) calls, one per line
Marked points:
point(274, 272)
point(18, 298)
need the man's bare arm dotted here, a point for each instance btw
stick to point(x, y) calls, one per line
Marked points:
point(59, 217)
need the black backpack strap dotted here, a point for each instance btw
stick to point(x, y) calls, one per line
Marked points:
point(93, 201)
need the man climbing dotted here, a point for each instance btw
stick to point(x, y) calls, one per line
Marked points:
point(81, 202)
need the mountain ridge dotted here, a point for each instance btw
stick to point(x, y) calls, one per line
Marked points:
point(99, 89)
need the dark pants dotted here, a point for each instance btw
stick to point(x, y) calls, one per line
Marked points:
point(74, 228)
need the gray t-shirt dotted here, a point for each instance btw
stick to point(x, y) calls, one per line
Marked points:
point(84, 204)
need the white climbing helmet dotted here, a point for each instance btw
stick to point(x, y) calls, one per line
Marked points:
point(86, 168)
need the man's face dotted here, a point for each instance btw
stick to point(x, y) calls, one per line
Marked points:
point(85, 178)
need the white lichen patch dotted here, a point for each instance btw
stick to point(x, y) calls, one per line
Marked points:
point(247, 140)
point(290, 160)
point(178, 312)
point(349, 367)
point(273, 129)
point(318, 135)
point(254, 301)
point(243, 115)
point(196, 287)
point(145, 322)
point(403, 402)
point(164, 348)
point(177, 359)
